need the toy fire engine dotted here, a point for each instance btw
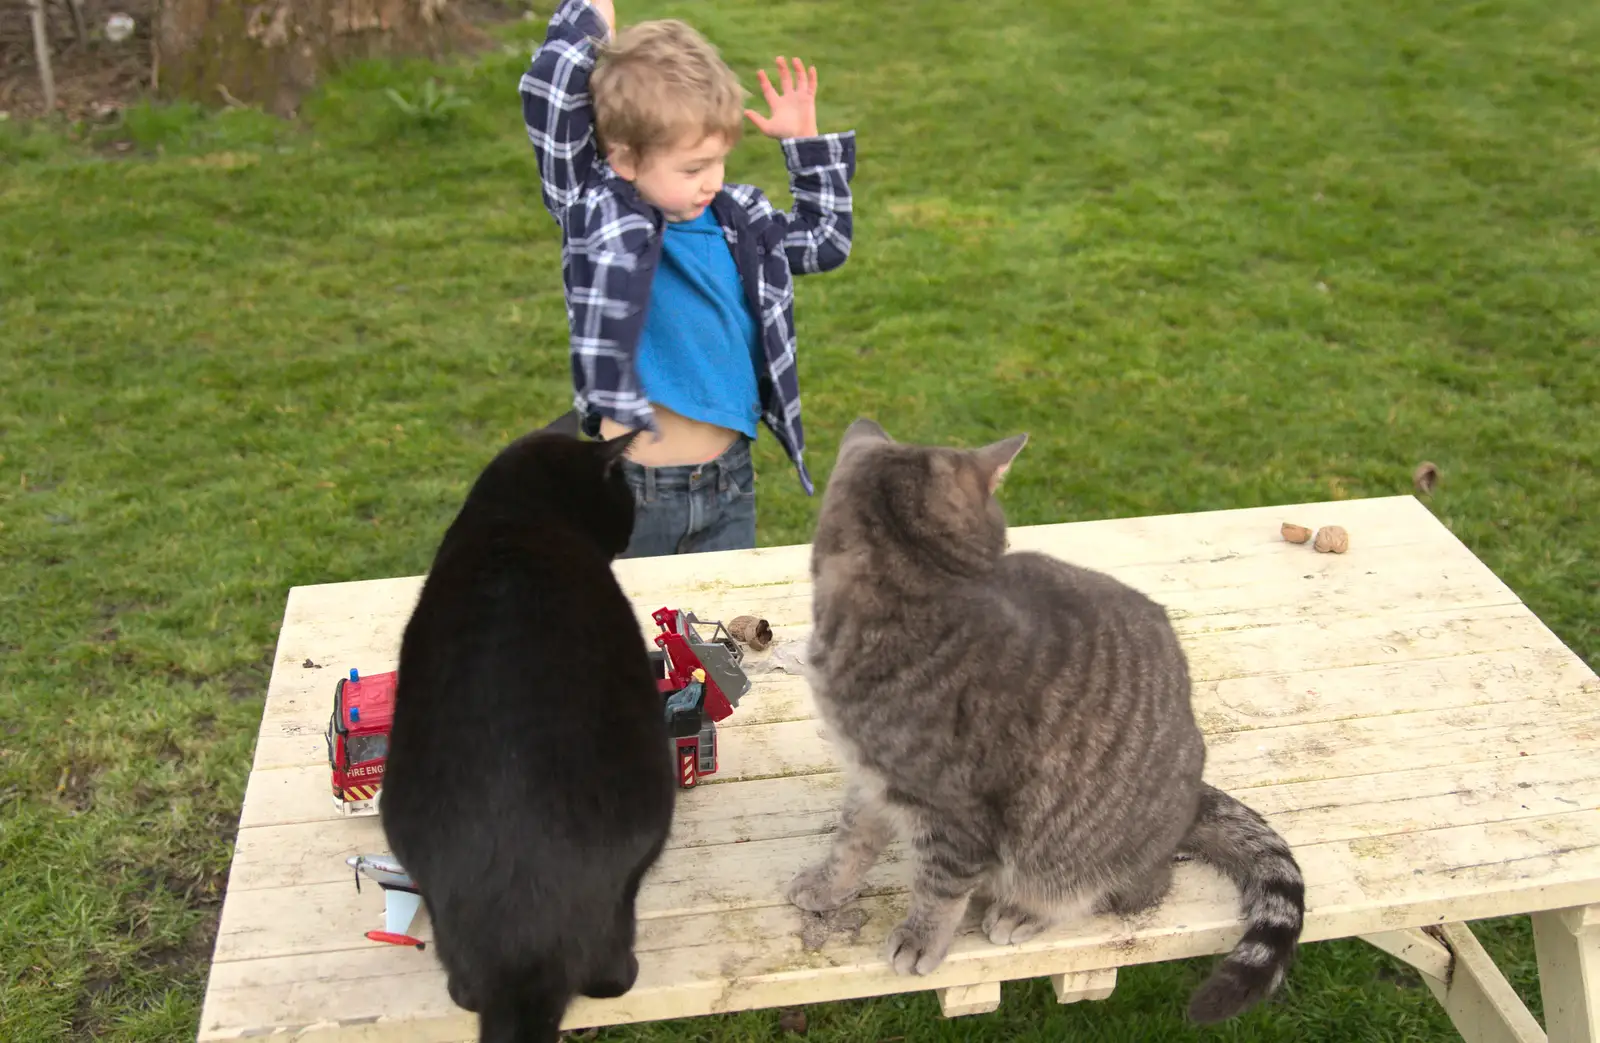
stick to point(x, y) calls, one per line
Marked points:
point(699, 678)
point(358, 739)
point(702, 682)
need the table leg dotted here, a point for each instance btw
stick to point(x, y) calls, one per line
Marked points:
point(1084, 985)
point(1568, 945)
point(1416, 947)
point(1480, 1002)
point(961, 1000)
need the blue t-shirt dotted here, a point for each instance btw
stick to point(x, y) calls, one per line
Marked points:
point(698, 352)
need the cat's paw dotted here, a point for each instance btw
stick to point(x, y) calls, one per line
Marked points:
point(913, 949)
point(813, 889)
point(1008, 925)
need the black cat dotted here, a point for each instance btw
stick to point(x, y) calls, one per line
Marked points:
point(530, 781)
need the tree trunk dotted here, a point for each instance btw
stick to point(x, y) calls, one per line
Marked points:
point(271, 52)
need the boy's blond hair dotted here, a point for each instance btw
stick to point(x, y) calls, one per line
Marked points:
point(659, 84)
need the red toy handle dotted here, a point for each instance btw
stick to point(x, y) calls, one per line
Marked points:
point(389, 937)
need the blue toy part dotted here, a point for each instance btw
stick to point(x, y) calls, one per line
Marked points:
point(686, 698)
point(354, 676)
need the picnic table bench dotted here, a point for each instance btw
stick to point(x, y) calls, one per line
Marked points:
point(1429, 748)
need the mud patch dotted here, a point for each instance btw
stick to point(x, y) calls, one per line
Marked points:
point(170, 752)
point(96, 78)
point(86, 1024)
point(817, 928)
point(186, 960)
point(75, 785)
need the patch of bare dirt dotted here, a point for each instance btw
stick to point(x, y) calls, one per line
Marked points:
point(817, 928)
point(75, 784)
point(86, 1023)
point(96, 76)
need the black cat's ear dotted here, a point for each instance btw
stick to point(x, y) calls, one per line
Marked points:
point(995, 459)
point(612, 450)
point(862, 432)
point(565, 424)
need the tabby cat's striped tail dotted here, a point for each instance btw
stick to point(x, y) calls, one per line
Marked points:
point(1240, 844)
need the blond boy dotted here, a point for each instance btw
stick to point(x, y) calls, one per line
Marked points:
point(679, 287)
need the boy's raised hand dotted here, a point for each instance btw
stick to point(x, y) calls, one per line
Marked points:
point(794, 111)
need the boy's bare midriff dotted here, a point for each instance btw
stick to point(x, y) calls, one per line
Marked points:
point(680, 440)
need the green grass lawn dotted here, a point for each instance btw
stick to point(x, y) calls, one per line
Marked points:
point(1207, 255)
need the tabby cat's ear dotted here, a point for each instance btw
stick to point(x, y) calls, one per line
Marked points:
point(862, 432)
point(612, 450)
point(996, 458)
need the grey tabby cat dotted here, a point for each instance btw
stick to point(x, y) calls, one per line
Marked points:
point(1026, 721)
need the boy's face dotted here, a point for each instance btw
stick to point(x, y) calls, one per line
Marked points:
point(680, 180)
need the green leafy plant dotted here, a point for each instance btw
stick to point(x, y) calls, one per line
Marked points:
point(432, 106)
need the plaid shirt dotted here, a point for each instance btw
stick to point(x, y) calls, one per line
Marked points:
point(611, 239)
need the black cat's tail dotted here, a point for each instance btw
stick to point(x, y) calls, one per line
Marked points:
point(1272, 895)
point(527, 1010)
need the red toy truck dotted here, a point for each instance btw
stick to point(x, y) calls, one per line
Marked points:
point(358, 739)
point(685, 658)
point(363, 709)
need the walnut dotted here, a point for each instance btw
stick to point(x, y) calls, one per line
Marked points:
point(756, 633)
point(1332, 538)
point(1295, 533)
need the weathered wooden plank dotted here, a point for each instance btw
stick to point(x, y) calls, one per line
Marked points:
point(774, 696)
point(1529, 667)
point(754, 958)
point(1229, 704)
point(301, 706)
point(1281, 579)
point(1353, 746)
point(1215, 657)
point(761, 810)
point(1171, 541)
point(1562, 681)
point(1313, 812)
point(364, 612)
point(303, 691)
point(1184, 539)
point(1231, 592)
point(1552, 674)
point(697, 892)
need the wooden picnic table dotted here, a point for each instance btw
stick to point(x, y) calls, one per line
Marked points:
point(1429, 748)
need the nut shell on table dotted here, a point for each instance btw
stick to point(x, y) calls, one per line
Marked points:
point(1332, 539)
point(756, 633)
point(1295, 533)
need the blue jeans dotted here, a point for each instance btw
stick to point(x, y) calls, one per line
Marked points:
point(690, 508)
